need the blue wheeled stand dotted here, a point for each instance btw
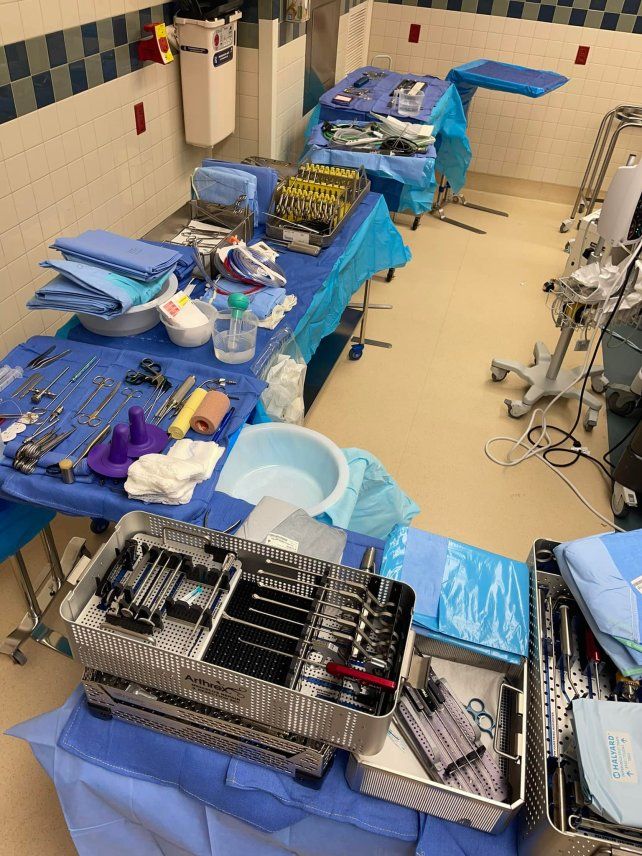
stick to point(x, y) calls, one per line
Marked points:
point(360, 341)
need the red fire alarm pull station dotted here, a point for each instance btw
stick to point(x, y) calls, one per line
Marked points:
point(582, 55)
point(139, 114)
point(413, 35)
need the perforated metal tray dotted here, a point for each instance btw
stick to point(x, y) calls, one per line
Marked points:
point(178, 717)
point(538, 834)
point(395, 775)
point(162, 665)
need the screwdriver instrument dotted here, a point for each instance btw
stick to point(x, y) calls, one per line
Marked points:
point(175, 399)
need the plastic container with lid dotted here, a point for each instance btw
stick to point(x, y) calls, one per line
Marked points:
point(234, 333)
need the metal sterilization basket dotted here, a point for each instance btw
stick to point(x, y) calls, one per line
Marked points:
point(298, 705)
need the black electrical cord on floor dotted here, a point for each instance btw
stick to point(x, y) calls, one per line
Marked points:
point(576, 451)
point(568, 434)
point(607, 455)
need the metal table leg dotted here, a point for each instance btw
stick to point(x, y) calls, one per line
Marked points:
point(356, 351)
point(442, 199)
point(39, 601)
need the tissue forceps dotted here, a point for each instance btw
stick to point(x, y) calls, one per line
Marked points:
point(93, 418)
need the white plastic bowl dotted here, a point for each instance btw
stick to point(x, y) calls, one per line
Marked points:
point(196, 335)
point(138, 319)
point(287, 462)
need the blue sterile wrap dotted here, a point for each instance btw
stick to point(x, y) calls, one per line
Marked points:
point(373, 503)
point(262, 302)
point(225, 186)
point(87, 497)
point(465, 595)
point(266, 181)
point(85, 288)
point(20, 523)
point(369, 242)
point(605, 576)
point(503, 77)
point(413, 177)
point(123, 787)
point(442, 109)
point(184, 265)
point(126, 256)
point(608, 735)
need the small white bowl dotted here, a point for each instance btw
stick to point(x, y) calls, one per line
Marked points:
point(195, 336)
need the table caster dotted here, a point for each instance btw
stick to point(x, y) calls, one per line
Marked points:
point(498, 375)
point(356, 352)
point(590, 419)
point(622, 402)
point(415, 224)
point(619, 506)
point(599, 383)
point(565, 225)
point(18, 657)
point(548, 286)
point(390, 275)
point(98, 525)
point(516, 409)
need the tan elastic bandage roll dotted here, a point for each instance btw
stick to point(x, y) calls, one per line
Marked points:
point(180, 426)
point(210, 412)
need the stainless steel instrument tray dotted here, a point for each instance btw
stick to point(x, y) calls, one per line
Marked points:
point(394, 774)
point(160, 661)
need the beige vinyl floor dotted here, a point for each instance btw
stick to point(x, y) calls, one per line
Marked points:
point(425, 408)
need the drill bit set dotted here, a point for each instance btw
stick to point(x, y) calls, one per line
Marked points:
point(315, 202)
point(294, 643)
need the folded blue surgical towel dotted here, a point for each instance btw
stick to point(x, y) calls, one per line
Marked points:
point(224, 186)
point(184, 265)
point(126, 256)
point(93, 290)
point(262, 302)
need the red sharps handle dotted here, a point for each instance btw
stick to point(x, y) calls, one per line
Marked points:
point(339, 671)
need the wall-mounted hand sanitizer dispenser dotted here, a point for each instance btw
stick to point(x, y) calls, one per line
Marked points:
point(208, 77)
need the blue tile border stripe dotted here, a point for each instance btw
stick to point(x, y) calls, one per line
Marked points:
point(625, 16)
point(39, 71)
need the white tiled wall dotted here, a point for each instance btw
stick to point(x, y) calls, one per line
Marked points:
point(78, 164)
point(290, 123)
point(547, 139)
point(24, 19)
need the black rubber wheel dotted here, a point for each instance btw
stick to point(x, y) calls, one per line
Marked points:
point(549, 285)
point(620, 405)
point(98, 525)
point(19, 658)
point(415, 224)
point(356, 352)
point(390, 274)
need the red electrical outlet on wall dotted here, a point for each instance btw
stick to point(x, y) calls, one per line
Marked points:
point(413, 35)
point(582, 55)
point(139, 114)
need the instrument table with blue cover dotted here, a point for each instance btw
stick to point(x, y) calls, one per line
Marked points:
point(441, 108)
point(406, 182)
point(502, 77)
point(123, 786)
point(368, 243)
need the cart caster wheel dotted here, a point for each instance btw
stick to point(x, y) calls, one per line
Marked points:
point(621, 403)
point(356, 352)
point(99, 525)
point(599, 384)
point(415, 224)
point(549, 285)
point(618, 506)
point(498, 375)
point(19, 658)
point(590, 420)
point(565, 225)
point(516, 409)
point(390, 275)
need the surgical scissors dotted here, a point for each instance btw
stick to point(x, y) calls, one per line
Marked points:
point(152, 372)
point(477, 709)
point(129, 394)
point(92, 418)
point(101, 383)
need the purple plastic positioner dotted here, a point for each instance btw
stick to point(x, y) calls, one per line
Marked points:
point(144, 439)
point(111, 459)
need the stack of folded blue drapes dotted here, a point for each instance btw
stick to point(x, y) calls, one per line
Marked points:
point(105, 274)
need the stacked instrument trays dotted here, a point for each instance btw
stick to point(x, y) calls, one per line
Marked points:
point(314, 204)
point(293, 643)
